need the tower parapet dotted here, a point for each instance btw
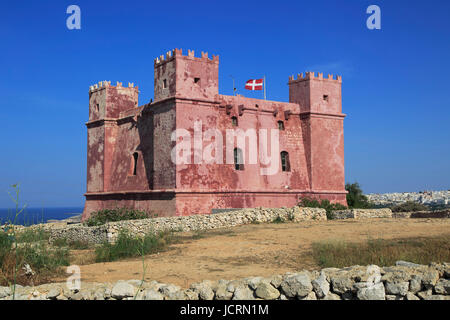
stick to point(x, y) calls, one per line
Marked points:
point(186, 76)
point(107, 101)
point(104, 84)
point(311, 75)
point(315, 93)
point(171, 55)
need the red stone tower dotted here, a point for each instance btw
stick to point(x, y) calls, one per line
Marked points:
point(320, 104)
point(130, 147)
point(106, 102)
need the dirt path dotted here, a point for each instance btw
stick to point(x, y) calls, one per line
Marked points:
point(255, 250)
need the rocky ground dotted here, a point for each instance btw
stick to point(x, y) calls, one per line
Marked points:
point(251, 250)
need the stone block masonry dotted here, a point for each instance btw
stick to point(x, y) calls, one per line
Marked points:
point(405, 281)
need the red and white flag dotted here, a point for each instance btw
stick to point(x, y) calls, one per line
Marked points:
point(254, 84)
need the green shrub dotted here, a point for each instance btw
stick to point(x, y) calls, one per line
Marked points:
point(44, 261)
point(409, 206)
point(128, 246)
point(278, 220)
point(109, 215)
point(355, 197)
point(41, 258)
point(324, 204)
point(5, 245)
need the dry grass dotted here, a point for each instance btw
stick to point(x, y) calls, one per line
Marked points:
point(45, 263)
point(381, 252)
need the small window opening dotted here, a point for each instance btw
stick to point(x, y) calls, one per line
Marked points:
point(164, 84)
point(97, 107)
point(285, 164)
point(238, 159)
point(325, 97)
point(256, 106)
point(280, 125)
point(135, 160)
point(196, 80)
point(234, 121)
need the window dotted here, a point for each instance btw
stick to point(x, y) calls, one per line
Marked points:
point(325, 97)
point(134, 163)
point(280, 125)
point(164, 84)
point(238, 159)
point(285, 165)
point(234, 121)
point(97, 107)
point(196, 80)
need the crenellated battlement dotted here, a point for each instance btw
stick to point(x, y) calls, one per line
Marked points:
point(103, 84)
point(170, 55)
point(311, 75)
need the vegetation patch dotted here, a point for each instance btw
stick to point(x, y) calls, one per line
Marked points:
point(339, 254)
point(355, 197)
point(198, 234)
point(278, 220)
point(73, 245)
point(28, 263)
point(431, 214)
point(409, 206)
point(324, 204)
point(32, 235)
point(128, 245)
point(101, 217)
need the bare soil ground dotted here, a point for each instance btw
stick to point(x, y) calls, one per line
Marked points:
point(251, 250)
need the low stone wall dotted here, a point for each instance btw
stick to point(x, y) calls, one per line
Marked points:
point(214, 221)
point(431, 214)
point(362, 213)
point(438, 214)
point(110, 231)
point(401, 215)
point(93, 235)
point(405, 281)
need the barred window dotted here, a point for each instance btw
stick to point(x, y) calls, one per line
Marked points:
point(238, 159)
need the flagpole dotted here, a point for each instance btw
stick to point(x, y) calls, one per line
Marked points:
point(264, 87)
point(234, 87)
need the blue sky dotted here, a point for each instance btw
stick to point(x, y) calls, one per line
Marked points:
point(395, 80)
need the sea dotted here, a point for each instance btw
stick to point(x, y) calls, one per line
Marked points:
point(30, 216)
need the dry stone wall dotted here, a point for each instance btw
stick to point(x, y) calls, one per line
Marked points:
point(362, 213)
point(405, 281)
point(110, 231)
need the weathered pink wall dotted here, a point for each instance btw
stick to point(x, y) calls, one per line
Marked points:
point(320, 104)
point(117, 128)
